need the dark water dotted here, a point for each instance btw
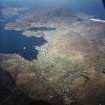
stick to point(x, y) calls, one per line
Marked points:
point(12, 42)
point(43, 29)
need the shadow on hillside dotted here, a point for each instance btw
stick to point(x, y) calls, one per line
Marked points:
point(10, 95)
